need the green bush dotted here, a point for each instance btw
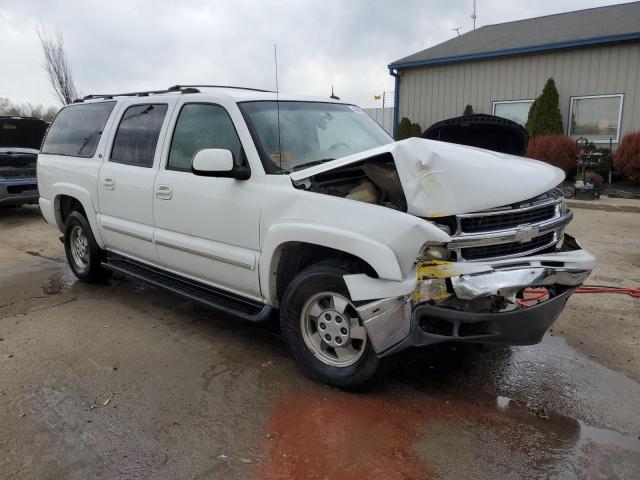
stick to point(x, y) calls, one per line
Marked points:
point(407, 129)
point(468, 110)
point(544, 115)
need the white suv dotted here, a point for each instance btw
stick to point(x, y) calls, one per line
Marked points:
point(250, 202)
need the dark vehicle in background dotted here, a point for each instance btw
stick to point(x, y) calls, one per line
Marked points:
point(483, 131)
point(20, 140)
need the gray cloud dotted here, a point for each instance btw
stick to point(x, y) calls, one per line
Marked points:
point(135, 44)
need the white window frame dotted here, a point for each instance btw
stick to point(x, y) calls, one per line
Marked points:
point(522, 100)
point(607, 95)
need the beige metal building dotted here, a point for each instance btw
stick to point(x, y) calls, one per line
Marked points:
point(593, 55)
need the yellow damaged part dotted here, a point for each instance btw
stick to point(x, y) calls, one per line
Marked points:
point(435, 269)
point(433, 289)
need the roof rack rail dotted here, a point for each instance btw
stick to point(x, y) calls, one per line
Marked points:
point(108, 96)
point(172, 89)
point(178, 87)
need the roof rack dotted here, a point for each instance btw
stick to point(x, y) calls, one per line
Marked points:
point(109, 96)
point(172, 89)
point(178, 87)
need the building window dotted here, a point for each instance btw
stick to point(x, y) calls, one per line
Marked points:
point(596, 117)
point(515, 110)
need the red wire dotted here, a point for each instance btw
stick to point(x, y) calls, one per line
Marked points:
point(632, 291)
point(541, 293)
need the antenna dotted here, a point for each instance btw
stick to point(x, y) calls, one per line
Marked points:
point(457, 30)
point(473, 15)
point(275, 59)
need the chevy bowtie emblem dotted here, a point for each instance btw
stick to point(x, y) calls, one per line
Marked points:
point(525, 233)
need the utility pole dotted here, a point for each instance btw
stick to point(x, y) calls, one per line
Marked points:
point(473, 15)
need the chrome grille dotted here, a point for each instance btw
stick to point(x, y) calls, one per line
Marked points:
point(511, 231)
point(511, 248)
point(511, 219)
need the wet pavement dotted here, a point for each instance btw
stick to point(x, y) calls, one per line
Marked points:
point(127, 381)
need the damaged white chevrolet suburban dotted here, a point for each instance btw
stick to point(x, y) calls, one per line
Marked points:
point(248, 203)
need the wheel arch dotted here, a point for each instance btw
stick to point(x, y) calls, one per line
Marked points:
point(289, 248)
point(69, 198)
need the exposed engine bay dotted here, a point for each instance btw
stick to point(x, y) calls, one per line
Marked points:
point(374, 180)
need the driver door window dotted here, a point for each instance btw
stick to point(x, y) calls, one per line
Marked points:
point(202, 126)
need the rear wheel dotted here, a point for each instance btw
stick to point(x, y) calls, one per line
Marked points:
point(83, 253)
point(322, 329)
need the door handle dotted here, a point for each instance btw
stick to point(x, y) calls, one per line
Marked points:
point(108, 183)
point(164, 192)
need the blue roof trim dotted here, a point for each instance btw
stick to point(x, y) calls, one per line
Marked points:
point(520, 50)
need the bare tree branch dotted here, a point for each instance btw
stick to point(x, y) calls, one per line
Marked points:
point(57, 65)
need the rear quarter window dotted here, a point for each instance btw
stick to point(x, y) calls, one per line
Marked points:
point(76, 130)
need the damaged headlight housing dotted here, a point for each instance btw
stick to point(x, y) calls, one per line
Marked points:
point(434, 252)
point(561, 208)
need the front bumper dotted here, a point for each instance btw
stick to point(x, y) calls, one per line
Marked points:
point(526, 326)
point(398, 322)
point(18, 191)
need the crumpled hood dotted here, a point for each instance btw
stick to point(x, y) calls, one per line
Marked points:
point(441, 179)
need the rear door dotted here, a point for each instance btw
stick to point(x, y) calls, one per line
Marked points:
point(127, 176)
point(207, 228)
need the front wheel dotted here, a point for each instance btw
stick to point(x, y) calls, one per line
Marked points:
point(322, 329)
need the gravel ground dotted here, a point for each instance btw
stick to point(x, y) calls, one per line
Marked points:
point(127, 381)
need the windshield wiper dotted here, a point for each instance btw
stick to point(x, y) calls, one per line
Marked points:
point(310, 164)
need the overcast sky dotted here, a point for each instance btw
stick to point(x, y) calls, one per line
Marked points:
point(124, 45)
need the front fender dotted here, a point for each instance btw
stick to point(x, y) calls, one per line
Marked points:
point(381, 257)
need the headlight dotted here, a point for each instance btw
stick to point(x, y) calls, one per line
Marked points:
point(435, 252)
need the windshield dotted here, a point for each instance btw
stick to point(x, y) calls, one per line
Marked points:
point(310, 133)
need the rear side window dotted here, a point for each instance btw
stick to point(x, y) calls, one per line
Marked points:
point(76, 129)
point(201, 126)
point(137, 135)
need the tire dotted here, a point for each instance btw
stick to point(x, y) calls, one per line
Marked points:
point(84, 256)
point(568, 192)
point(317, 298)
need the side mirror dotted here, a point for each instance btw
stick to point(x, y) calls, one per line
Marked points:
point(217, 162)
point(211, 161)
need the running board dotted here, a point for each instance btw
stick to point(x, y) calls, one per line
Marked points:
point(212, 297)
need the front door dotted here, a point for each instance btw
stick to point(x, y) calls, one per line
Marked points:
point(126, 182)
point(207, 227)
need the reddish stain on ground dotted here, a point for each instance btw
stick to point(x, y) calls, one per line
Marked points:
point(347, 436)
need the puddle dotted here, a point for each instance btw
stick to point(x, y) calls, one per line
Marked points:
point(550, 376)
point(58, 281)
point(544, 411)
point(333, 434)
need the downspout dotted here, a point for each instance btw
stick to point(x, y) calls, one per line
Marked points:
point(396, 98)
